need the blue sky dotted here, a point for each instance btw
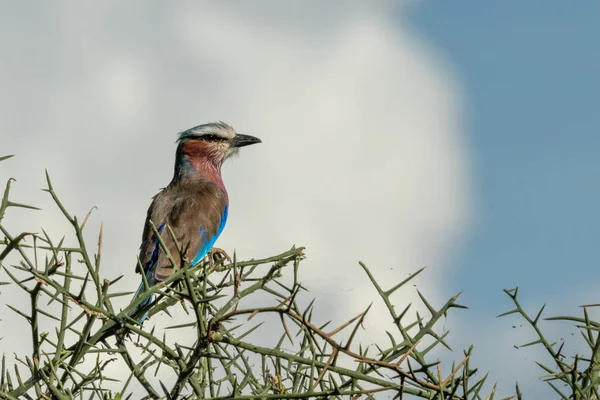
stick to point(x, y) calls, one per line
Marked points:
point(530, 77)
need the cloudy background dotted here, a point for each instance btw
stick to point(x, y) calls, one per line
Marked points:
point(459, 137)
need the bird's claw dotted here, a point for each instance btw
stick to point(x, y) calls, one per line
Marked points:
point(217, 255)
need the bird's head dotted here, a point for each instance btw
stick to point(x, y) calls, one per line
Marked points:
point(210, 143)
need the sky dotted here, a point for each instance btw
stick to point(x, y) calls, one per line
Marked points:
point(530, 84)
point(458, 136)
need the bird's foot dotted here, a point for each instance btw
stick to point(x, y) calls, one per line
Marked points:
point(218, 256)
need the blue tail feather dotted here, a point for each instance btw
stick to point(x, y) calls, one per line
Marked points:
point(134, 313)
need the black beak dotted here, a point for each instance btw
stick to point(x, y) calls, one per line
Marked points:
point(244, 140)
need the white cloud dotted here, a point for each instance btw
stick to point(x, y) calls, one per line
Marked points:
point(362, 155)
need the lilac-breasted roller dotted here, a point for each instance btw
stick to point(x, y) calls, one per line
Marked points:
point(194, 205)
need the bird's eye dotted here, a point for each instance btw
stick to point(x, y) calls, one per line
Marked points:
point(211, 137)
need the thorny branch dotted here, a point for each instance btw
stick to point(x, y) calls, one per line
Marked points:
point(225, 360)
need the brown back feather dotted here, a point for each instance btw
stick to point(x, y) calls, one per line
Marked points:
point(185, 206)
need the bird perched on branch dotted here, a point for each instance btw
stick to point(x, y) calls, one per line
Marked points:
point(194, 205)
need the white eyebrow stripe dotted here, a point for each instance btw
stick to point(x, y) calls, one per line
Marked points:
point(220, 129)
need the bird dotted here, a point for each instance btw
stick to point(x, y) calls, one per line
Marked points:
point(195, 205)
